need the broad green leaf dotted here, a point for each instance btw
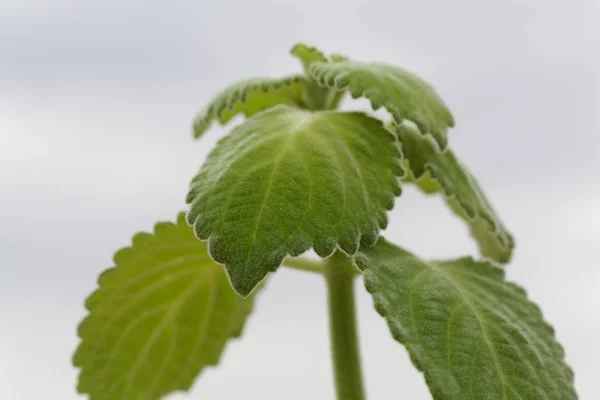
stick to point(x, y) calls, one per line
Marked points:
point(249, 97)
point(287, 180)
point(158, 318)
point(320, 98)
point(403, 94)
point(441, 172)
point(473, 334)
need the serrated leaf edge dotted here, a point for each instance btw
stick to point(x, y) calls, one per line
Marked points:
point(180, 219)
point(214, 110)
point(323, 250)
point(299, 48)
point(382, 306)
point(330, 81)
point(494, 225)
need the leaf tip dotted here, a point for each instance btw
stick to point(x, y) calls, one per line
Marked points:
point(243, 281)
point(199, 126)
point(297, 47)
point(370, 238)
point(361, 261)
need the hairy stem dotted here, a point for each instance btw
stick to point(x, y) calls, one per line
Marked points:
point(339, 274)
point(303, 264)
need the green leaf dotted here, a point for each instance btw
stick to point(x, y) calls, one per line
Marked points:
point(441, 172)
point(286, 180)
point(249, 97)
point(158, 318)
point(473, 334)
point(403, 94)
point(308, 55)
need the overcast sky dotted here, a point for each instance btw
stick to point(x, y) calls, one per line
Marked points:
point(96, 103)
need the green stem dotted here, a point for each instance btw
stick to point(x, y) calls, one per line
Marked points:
point(303, 264)
point(339, 274)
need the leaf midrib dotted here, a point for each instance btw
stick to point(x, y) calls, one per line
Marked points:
point(207, 315)
point(130, 326)
point(287, 143)
point(466, 300)
point(172, 312)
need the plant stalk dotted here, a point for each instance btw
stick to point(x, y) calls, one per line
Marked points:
point(303, 264)
point(339, 275)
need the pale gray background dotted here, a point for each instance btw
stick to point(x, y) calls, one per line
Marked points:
point(96, 99)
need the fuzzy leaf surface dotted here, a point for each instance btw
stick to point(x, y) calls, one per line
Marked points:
point(162, 314)
point(403, 94)
point(287, 180)
point(319, 97)
point(473, 334)
point(435, 171)
point(249, 97)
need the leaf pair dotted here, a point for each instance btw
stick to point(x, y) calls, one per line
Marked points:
point(166, 311)
point(251, 96)
point(402, 93)
point(288, 179)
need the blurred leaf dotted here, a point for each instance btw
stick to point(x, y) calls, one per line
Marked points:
point(249, 97)
point(158, 318)
point(435, 171)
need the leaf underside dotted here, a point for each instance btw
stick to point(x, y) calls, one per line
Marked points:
point(434, 171)
point(249, 97)
point(158, 318)
point(287, 180)
point(473, 334)
point(403, 94)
